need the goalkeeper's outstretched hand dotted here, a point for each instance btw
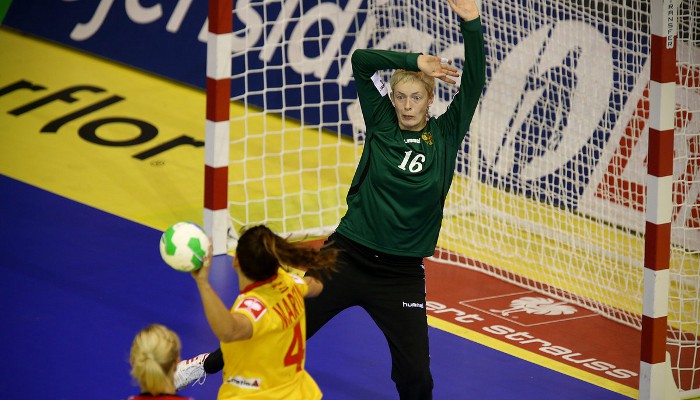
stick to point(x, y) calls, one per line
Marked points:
point(437, 67)
point(466, 9)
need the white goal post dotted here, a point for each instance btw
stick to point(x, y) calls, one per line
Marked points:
point(556, 187)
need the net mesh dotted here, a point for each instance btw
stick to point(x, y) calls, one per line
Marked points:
point(549, 190)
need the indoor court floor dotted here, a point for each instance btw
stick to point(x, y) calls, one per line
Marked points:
point(78, 283)
point(81, 219)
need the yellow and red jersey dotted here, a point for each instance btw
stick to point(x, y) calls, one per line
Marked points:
point(270, 364)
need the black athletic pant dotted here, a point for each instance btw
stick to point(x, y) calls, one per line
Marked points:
point(392, 291)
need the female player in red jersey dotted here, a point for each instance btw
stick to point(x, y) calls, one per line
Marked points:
point(155, 353)
point(263, 336)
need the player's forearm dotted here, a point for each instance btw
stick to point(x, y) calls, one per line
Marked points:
point(225, 327)
point(471, 14)
point(474, 71)
point(366, 62)
point(315, 286)
point(459, 115)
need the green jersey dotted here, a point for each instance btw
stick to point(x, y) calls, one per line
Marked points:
point(397, 195)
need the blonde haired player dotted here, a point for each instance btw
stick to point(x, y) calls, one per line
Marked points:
point(154, 355)
point(263, 336)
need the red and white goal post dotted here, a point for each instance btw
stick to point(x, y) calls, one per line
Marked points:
point(579, 178)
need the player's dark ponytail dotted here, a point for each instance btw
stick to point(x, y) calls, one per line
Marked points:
point(261, 252)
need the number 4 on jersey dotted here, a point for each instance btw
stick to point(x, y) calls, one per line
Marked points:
point(295, 353)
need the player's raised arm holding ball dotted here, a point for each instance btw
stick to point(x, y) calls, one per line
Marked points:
point(263, 343)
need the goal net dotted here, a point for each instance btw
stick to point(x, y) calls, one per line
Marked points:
point(549, 190)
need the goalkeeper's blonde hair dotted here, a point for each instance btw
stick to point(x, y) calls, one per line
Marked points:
point(401, 75)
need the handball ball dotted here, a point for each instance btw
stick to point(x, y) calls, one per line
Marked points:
point(183, 246)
